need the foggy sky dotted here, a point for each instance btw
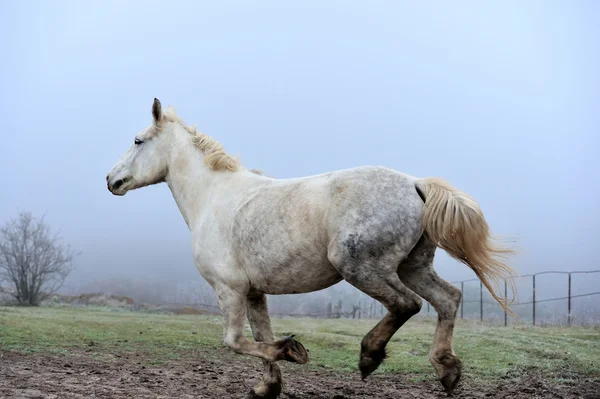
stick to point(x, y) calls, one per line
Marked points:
point(500, 99)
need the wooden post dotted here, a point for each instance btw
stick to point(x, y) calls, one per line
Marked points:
point(569, 303)
point(462, 298)
point(427, 308)
point(329, 310)
point(534, 299)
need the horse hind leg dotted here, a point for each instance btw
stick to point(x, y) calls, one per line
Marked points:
point(417, 273)
point(269, 386)
point(378, 278)
point(400, 309)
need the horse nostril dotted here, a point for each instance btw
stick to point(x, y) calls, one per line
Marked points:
point(118, 184)
point(107, 178)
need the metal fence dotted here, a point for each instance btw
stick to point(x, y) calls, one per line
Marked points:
point(487, 308)
point(484, 307)
point(533, 302)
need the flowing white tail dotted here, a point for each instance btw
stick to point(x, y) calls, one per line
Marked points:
point(454, 221)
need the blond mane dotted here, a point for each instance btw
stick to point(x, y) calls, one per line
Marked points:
point(215, 156)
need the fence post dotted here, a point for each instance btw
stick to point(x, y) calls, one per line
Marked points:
point(569, 302)
point(534, 299)
point(462, 298)
point(480, 301)
point(427, 308)
point(506, 299)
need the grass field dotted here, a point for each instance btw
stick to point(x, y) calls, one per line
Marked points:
point(488, 353)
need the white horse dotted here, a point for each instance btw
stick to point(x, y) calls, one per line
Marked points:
point(254, 235)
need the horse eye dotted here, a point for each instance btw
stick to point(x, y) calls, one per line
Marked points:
point(138, 141)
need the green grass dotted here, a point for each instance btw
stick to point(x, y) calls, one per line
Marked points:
point(488, 353)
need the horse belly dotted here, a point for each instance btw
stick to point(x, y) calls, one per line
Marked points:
point(300, 275)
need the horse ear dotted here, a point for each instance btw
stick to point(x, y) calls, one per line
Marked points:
point(156, 111)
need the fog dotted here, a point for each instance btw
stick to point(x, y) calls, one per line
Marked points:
point(500, 99)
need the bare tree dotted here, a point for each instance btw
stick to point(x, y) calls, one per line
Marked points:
point(32, 260)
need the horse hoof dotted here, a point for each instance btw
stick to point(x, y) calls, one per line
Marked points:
point(269, 386)
point(449, 382)
point(272, 392)
point(449, 369)
point(451, 377)
point(292, 351)
point(370, 361)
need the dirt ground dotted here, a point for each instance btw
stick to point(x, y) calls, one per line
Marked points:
point(231, 376)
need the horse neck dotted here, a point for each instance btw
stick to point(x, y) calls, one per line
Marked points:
point(194, 185)
point(190, 181)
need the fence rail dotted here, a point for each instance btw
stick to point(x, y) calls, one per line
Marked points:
point(369, 308)
point(534, 301)
point(366, 307)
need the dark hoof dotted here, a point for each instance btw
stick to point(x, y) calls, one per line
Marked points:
point(292, 351)
point(449, 382)
point(449, 369)
point(271, 391)
point(370, 361)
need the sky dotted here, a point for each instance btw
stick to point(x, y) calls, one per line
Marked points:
point(499, 98)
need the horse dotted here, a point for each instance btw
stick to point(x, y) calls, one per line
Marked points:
point(253, 235)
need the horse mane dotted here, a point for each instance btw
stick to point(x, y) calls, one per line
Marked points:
point(215, 156)
point(257, 171)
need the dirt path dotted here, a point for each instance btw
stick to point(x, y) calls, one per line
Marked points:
point(229, 376)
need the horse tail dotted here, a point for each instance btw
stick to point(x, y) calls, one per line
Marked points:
point(455, 222)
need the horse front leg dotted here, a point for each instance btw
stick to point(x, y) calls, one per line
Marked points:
point(269, 386)
point(233, 309)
